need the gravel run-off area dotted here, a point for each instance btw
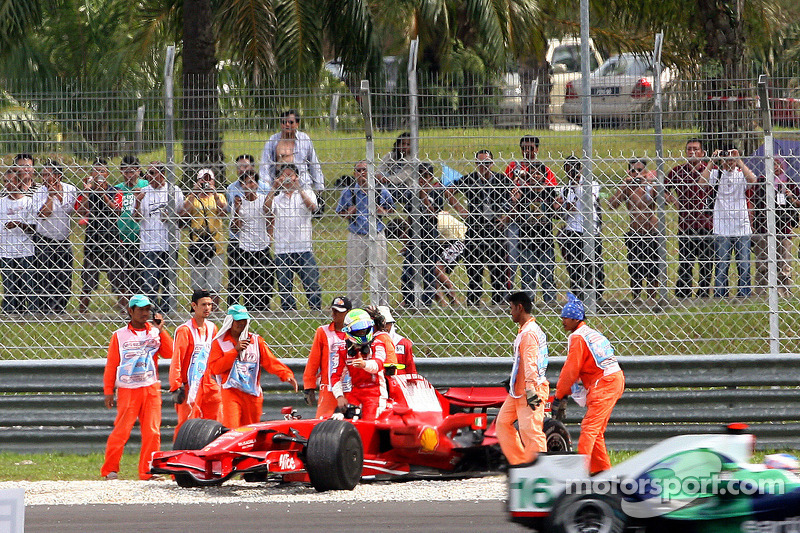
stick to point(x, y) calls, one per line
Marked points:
point(237, 491)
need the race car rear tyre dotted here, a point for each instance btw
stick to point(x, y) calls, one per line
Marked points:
point(334, 456)
point(557, 436)
point(196, 433)
point(580, 513)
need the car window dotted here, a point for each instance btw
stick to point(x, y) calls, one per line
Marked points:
point(626, 65)
point(569, 55)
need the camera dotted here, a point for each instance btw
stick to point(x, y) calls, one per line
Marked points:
point(724, 153)
point(205, 186)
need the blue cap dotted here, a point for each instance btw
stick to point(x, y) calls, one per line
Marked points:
point(238, 312)
point(139, 300)
point(573, 309)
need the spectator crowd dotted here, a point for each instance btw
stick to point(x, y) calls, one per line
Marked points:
point(507, 223)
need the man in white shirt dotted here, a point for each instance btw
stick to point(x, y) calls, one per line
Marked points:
point(153, 209)
point(293, 207)
point(729, 179)
point(53, 204)
point(16, 244)
point(583, 275)
point(256, 267)
point(305, 156)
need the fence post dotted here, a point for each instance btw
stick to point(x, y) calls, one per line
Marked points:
point(137, 146)
point(366, 110)
point(333, 118)
point(658, 116)
point(769, 176)
point(592, 268)
point(169, 140)
point(413, 123)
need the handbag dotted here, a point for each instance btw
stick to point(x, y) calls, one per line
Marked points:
point(711, 198)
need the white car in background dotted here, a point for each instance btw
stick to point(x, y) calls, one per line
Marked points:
point(622, 92)
point(564, 56)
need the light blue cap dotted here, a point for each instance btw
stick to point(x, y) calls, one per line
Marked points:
point(139, 300)
point(574, 308)
point(238, 312)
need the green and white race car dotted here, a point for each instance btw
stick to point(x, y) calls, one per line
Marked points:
point(688, 483)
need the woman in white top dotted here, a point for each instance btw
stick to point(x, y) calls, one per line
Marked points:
point(729, 179)
point(293, 207)
point(253, 223)
point(16, 244)
point(53, 204)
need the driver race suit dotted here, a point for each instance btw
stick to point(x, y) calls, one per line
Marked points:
point(369, 383)
point(591, 359)
point(132, 368)
point(527, 374)
point(240, 375)
point(320, 366)
point(188, 370)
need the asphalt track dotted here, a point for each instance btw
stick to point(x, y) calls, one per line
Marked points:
point(355, 517)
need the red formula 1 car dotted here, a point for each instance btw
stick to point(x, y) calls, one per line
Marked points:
point(415, 435)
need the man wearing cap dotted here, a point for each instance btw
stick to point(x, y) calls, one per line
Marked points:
point(590, 359)
point(403, 348)
point(528, 387)
point(132, 368)
point(327, 340)
point(196, 392)
point(237, 357)
point(206, 209)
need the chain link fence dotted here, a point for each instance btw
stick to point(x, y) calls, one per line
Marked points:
point(471, 202)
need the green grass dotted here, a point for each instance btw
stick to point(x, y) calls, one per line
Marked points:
point(61, 467)
point(73, 467)
point(699, 328)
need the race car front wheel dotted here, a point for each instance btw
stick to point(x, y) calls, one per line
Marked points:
point(587, 513)
point(557, 436)
point(334, 456)
point(196, 433)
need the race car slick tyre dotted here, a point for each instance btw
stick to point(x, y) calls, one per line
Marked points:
point(196, 433)
point(557, 436)
point(587, 513)
point(334, 456)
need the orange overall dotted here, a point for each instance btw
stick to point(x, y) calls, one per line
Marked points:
point(138, 393)
point(206, 403)
point(528, 373)
point(602, 377)
point(327, 341)
point(242, 401)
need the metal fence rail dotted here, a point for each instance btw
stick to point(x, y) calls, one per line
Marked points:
point(73, 123)
point(50, 406)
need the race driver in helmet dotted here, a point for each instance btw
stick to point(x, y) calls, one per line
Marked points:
point(364, 357)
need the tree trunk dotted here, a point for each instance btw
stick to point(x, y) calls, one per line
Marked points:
point(202, 142)
point(730, 109)
point(534, 77)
